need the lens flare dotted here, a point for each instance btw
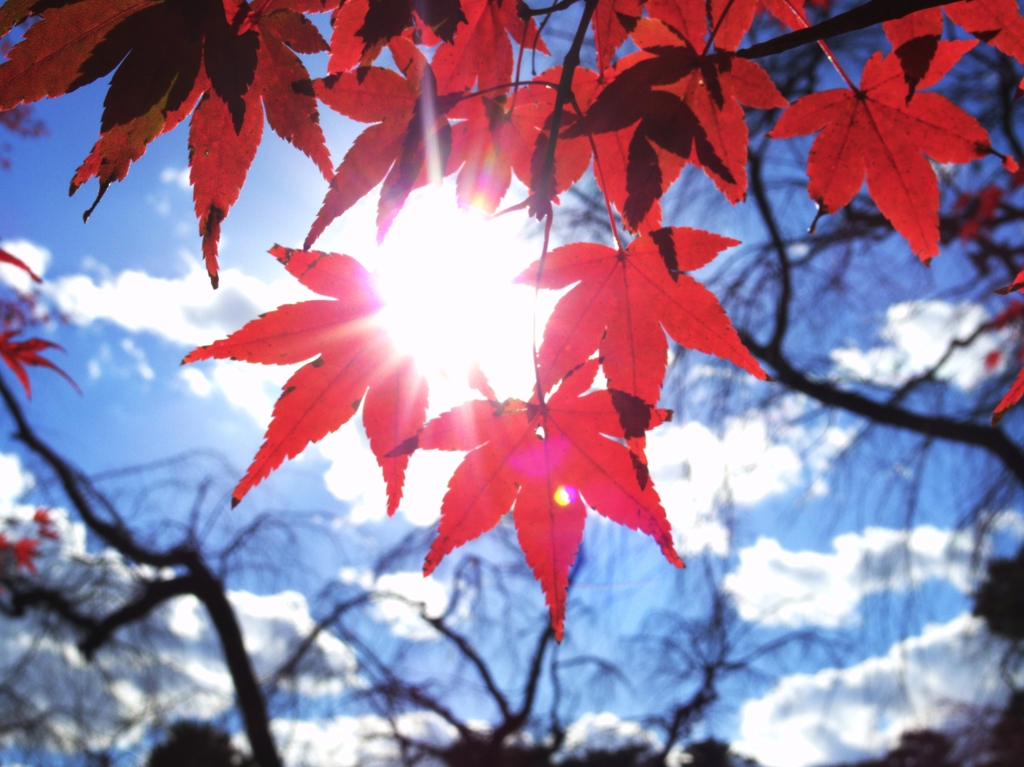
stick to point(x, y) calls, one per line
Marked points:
point(565, 495)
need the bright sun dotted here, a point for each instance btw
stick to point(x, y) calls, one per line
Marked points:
point(446, 275)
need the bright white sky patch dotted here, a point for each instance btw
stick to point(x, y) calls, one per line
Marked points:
point(915, 336)
point(777, 587)
point(14, 480)
point(401, 596)
point(605, 732)
point(447, 276)
point(347, 741)
point(843, 714)
point(36, 258)
point(355, 477)
point(696, 471)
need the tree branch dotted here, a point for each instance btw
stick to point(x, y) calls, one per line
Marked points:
point(990, 438)
point(154, 594)
point(204, 585)
point(562, 96)
point(861, 17)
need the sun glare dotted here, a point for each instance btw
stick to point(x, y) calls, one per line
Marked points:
point(446, 276)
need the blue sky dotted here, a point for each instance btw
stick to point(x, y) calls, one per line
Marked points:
point(137, 300)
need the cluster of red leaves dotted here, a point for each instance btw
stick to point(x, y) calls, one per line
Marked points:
point(678, 100)
point(15, 315)
point(25, 549)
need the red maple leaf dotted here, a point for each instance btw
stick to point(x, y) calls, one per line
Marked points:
point(497, 136)
point(410, 129)
point(228, 61)
point(684, 103)
point(996, 22)
point(352, 357)
point(876, 131)
point(25, 552)
point(45, 524)
point(612, 21)
point(543, 461)
point(624, 304)
point(481, 53)
point(19, 354)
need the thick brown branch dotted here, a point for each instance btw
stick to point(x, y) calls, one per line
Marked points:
point(861, 17)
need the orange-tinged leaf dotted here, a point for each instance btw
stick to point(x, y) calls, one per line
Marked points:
point(168, 58)
point(613, 20)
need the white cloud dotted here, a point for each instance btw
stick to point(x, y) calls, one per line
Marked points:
point(14, 480)
point(355, 477)
point(138, 357)
point(177, 176)
point(169, 665)
point(252, 388)
point(366, 741)
point(605, 732)
point(844, 714)
point(36, 258)
point(184, 310)
point(796, 588)
point(695, 470)
point(400, 596)
point(915, 336)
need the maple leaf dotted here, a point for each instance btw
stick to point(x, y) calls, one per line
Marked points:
point(386, 19)
point(996, 22)
point(613, 20)
point(25, 552)
point(228, 61)
point(352, 356)
point(624, 304)
point(543, 462)
point(481, 53)
point(19, 354)
point(790, 12)
point(684, 103)
point(7, 258)
point(875, 131)
point(410, 125)
point(495, 138)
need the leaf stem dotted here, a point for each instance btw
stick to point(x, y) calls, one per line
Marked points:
point(803, 23)
point(569, 64)
point(536, 300)
point(546, 179)
point(718, 25)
